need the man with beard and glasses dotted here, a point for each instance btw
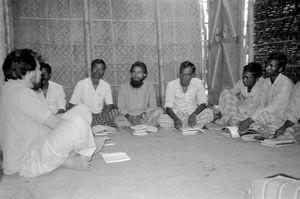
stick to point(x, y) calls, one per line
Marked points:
point(50, 92)
point(240, 102)
point(186, 101)
point(96, 94)
point(136, 99)
point(276, 91)
point(34, 140)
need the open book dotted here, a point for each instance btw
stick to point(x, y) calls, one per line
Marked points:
point(142, 130)
point(231, 131)
point(191, 130)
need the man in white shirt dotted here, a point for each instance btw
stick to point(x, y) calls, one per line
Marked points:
point(34, 140)
point(50, 92)
point(136, 99)
point(96, 94)
point(292, 116)
point(240, 102)
point(186, 102)
point(275, 95)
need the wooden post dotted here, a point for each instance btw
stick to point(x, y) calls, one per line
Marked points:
point(159, 55)
point(250, 30)
point(87, 35)
point(3, 34)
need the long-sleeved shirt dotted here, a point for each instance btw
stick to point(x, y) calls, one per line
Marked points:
point(275, 96)
point(135, 101)
point(249, 101)
point(293, 113)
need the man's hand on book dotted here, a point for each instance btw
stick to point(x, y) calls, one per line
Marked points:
point(279, 132)
point(178, 124)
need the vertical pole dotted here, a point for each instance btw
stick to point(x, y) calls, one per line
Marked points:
point(250, 30)
point(159, 55)
point(3, 44)
point(87, 35)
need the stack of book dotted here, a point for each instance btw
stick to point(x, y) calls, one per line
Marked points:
point(277, 142)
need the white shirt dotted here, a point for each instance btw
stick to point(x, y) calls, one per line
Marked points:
point(249, 101)
point(55, 97)
point(85, 93)
point(21, 117)
point(185, 102)
point(293, 113)
point(275, 96)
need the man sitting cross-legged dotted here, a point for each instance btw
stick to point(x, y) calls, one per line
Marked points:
point(276, 91)
point(291, 117)
point(136, 99)
point(240, 102)
point(96, 94)
point(185, 101)
point(34, 140)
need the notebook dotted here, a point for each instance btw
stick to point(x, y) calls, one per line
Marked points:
point(115, 157)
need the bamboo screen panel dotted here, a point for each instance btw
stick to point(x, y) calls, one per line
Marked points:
point(121, 32)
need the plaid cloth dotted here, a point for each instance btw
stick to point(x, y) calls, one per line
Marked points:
point(105, 119)
point(148, 119)
point(267, 123)
point(228, 104)
point(204, 117)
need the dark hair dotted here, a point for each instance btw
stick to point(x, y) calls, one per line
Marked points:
point(47, 67)
point(254, 68)
point(139, 64)
point(18, 62)
point(187, 64)
point(280, 57)
point(95, 62)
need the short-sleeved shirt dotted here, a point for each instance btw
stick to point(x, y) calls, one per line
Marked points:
point(21, 117)
point(55, 97)
point(85, 93)
point(185, 102)
point(134, 101)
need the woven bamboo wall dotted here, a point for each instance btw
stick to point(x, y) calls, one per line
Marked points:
point(121, 32)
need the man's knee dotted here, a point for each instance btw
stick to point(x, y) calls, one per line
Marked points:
point(84, 112)
point(165, 121)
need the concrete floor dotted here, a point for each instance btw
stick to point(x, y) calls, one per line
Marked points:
point(164, 165)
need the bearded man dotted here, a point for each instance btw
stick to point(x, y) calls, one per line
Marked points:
point(137, 100)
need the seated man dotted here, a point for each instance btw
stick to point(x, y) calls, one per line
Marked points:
point(276, 90)
point(136, 99)
point(34, 140)
point(292, 116)
point(50, 92)
point(243, 99)
point(185, 101)
point(95, 93)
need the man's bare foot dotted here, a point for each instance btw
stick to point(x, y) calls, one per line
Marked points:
point(77, 162)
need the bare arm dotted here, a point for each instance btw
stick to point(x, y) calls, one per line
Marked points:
point(177, 122)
